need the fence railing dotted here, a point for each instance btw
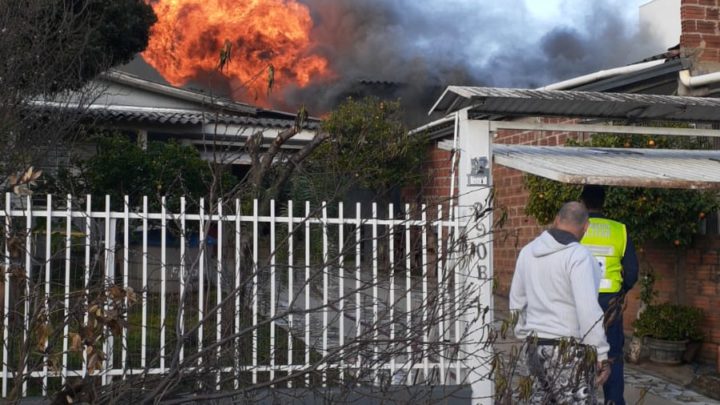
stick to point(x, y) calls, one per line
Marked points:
point(226, 296)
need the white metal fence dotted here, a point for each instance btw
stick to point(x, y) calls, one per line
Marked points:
point(296, 295)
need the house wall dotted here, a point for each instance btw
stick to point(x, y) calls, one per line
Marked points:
point(434, 191)
point(435, 188)
point(439, 169)
point(661, 20)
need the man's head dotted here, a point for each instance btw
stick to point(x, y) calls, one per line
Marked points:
point(573, 218)
point(593, 197)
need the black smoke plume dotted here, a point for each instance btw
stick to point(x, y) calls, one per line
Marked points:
point(413, 49)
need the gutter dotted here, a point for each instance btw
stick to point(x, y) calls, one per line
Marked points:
point(698, 81)
point(602, 74)
point(448, 118)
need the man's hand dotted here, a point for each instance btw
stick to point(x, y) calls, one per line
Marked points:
point(603, 373)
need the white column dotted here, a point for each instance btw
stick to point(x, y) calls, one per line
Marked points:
point(474, 190)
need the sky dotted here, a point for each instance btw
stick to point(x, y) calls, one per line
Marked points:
point(550, 11)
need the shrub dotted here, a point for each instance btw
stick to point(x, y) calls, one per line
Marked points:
point(670, 322)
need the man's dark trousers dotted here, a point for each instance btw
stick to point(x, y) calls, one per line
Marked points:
point(612, 306)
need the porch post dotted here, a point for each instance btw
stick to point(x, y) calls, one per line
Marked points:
point(474, 192)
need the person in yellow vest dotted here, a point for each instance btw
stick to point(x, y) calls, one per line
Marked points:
point(609, 243)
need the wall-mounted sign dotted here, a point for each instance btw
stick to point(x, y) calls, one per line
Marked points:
point(478, 172)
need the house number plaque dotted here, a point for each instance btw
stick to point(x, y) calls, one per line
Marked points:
point(478, 172)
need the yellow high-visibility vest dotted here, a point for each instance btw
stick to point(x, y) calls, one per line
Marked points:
point(607, 240)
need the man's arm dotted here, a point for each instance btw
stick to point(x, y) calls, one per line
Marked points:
point(589, 313)
point(518, 298)
point(630, 266)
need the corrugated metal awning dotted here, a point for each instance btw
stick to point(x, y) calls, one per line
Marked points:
point(585, 104)
point(660, 168)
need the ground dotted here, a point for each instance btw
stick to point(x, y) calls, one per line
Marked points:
point(646, 382)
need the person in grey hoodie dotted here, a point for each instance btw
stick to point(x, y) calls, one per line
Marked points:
point(553, 296)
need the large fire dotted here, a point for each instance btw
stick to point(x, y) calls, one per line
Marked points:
point(259, 46)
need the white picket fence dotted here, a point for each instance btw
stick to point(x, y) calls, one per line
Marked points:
point(319, 284)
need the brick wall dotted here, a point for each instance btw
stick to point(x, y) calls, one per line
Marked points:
point(700, 264)
point(703, 288)
point(700, 37)
point(438, 168)
point(437, 173)
point(700, 42)
point(511, 198)
point(434, 191)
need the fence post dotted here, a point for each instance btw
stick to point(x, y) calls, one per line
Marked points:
point(474, 192)
point(110, 246)
point(6, 294)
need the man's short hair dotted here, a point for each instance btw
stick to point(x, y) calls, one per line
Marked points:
point(573, 213)
point(593, 196)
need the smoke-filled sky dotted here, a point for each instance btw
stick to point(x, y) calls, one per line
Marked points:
point(425, 44)
point(507, 43)
point(503, 43)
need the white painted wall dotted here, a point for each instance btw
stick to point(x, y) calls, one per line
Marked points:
point(661, 19)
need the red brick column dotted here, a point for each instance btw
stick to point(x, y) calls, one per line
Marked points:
point(700, 34)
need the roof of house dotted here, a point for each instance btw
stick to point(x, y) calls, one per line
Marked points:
point(563, 103)
point(130, 99)
point(166, 116)
point(130, 80)
point(658, 79)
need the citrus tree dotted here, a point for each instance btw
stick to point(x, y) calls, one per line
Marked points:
point(369, 147)
point(664, 215)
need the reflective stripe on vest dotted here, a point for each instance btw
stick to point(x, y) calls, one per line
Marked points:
point(607, 239)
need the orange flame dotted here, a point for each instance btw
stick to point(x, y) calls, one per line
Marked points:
point(260, 46)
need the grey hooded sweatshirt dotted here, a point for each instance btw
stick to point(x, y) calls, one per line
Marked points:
point(555, 290)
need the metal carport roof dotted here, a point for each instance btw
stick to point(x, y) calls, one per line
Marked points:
point(585, 104)
point(661, 168)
